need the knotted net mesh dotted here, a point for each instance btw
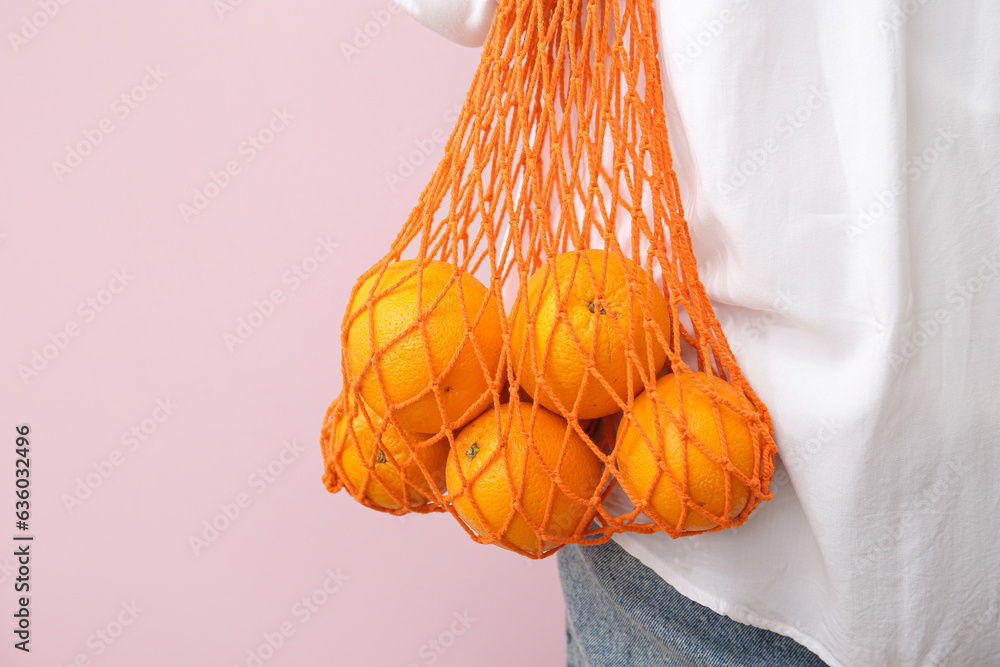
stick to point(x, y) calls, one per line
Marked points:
point(535, 353)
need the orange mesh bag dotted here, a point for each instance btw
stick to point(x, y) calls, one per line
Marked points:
point(535, 353)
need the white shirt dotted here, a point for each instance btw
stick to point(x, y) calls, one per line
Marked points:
point(839, 165)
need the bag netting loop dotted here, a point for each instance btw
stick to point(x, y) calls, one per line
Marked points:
point(535, 353)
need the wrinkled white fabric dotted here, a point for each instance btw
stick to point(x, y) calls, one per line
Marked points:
point(840, 169)
point(463, 21)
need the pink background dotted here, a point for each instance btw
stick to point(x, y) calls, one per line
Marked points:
point(124, 306)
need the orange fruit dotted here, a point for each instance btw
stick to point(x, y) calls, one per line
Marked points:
point(384, 485)
point(390, 317)
point(487, 477)
point(599, 317)
point(706, 479)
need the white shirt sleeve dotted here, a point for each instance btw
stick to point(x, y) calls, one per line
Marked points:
point(466, 22)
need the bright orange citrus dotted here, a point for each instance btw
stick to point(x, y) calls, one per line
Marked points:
point(706, 479)
point(599, 317)
point(408, 365)
point(489, 487)
point(383, 485)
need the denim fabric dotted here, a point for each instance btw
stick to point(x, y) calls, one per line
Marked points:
point(619, 612)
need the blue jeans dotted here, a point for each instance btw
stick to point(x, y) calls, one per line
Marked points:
point(619, 612)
